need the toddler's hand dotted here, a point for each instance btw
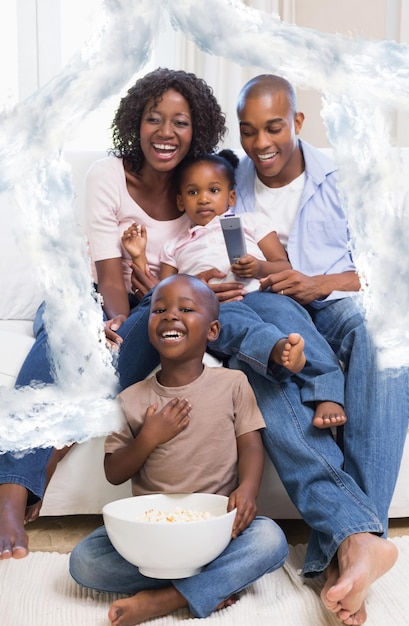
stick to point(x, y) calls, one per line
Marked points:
point(246, 267)
point(134, 241)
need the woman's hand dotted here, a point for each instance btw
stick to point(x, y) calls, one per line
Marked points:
point(111, 326)
point(142, 281)
point(226, 292)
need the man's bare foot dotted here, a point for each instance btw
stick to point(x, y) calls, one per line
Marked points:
point(145, 605)
point(289, 353)
point(329, 414)
point(361, 559)
point(13, 537)
point(332, 573)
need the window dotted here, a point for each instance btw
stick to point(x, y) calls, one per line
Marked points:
point(8, 55)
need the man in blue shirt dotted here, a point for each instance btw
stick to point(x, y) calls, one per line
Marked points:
point(343, 495)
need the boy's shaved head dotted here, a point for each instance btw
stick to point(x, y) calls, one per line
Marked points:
point(267, 84)
point(207, 296)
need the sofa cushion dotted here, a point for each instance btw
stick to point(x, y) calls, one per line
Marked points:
point(16, 339)
point(19, 289)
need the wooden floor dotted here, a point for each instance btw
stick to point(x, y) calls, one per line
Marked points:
point(61, 534)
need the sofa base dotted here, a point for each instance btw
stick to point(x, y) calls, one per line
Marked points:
point(79, 487)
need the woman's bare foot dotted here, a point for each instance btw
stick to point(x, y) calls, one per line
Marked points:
point(33, 511)
point(329, 414)
point(289, 353)
point(361, 559)
point(145, 605)
point(14, 512)
point(13, 537)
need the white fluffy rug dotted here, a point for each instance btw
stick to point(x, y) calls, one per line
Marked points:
point(38, 591)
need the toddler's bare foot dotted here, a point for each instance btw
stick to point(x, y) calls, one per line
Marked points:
point(362, 559)
point(13, 537)
point(145, 605)
point(289, 353)
point(329, 414)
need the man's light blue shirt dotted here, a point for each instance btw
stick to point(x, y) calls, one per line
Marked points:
point(319, 241)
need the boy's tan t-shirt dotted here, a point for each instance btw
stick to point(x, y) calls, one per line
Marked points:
point(203, 457)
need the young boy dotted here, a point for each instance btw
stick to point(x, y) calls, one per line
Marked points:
point(189, 428)
point(206, 191)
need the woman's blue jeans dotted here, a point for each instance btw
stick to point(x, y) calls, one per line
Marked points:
point(135, 362)
point(260, 549)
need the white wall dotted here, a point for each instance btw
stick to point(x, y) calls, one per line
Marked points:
point(368, 19)
point(43, 27)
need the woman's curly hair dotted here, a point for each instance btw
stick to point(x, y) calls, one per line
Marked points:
point(208, 121)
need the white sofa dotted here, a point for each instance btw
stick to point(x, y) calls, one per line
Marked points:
point(78, 485)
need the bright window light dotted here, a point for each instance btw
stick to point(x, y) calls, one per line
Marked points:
point(8, 55)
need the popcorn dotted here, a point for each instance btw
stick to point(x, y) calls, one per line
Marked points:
point(178, 515)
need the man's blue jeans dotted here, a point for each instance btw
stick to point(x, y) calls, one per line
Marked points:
point(338, 493)
point(250, 329)
point(376, 402)
point(260, 549)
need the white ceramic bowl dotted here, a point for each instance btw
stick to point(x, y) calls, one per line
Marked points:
point(173, 549)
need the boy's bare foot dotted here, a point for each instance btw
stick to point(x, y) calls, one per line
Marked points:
point(145, 605)
point(229, 602)
point(13, 537)
point(361, 559)
point(329, 414)
point(289, 353)
point(149, 604)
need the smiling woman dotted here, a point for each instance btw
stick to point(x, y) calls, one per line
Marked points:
point(164, 136)
point(165, 108)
